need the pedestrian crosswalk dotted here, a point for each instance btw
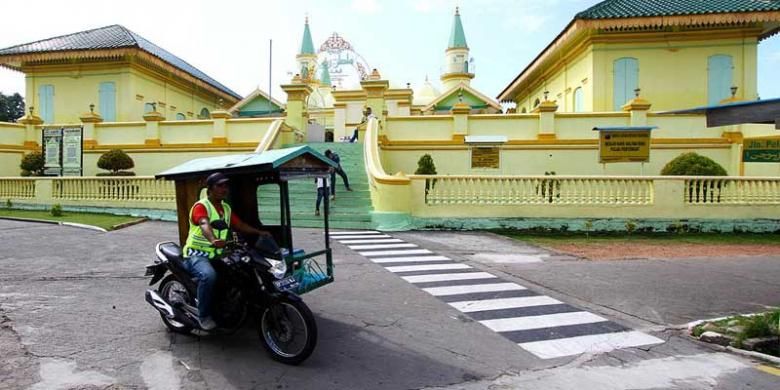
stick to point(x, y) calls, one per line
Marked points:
point(543, 326)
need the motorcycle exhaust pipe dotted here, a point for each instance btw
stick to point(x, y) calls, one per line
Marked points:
point(158, 303)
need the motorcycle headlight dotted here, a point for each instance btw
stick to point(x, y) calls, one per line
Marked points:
point(278, 268)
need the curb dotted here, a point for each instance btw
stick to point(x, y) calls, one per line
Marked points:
point(128, 224)
point(752, 354)
point(71, 224)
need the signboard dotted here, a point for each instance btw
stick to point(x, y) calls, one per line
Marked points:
point(52, 152)
point(62, 151)
point(71, 151)
point(761, 150)
point(485, 157)
point(624, 146)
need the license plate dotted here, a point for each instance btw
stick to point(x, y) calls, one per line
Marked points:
point(286, 284)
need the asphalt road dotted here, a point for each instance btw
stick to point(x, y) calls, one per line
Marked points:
point(72, 315)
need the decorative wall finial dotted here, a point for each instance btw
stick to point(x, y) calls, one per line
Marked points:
point(92, 108)
point(546, 92)
point(636, 91)
point(31, 110)
point(734, 89)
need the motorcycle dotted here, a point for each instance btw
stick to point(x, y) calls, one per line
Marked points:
point(249, 282)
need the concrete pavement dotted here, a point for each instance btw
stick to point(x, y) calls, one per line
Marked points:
point(73, 316)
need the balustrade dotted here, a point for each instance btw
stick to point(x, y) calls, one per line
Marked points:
point(530, 190)
point(17, 189)
point(732, 191)
point(136, 189)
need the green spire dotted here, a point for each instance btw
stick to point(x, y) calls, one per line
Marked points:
point(307, 47)
point(457, 36)
point(325, 77)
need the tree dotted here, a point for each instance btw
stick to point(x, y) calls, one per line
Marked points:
point(32, 164)
point(425, 165)
point(116, 160)
point(11, 107)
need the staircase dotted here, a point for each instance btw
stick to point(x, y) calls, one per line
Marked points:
point(350, 210)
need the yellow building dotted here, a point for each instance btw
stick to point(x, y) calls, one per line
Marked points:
point(683, 54)
point(118, 72)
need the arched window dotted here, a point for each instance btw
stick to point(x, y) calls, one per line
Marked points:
point(204, 113)
point(626, 79)
point(107, 99)
point(180, 116)
point(46, 102)
point(579, 103)
point(719, 78)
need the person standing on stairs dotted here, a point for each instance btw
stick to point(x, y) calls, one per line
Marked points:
point(336, 159)
point(322, 191)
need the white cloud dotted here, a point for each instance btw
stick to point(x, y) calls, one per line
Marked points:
point(366, 6)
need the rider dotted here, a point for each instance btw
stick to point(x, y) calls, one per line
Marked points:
point(205, 242)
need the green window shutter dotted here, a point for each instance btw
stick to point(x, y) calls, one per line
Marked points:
point(46, 102)
point(626, 80)
point(719, 78)
point(107, 92)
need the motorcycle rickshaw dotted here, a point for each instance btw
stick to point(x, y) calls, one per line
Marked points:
point(250, 280)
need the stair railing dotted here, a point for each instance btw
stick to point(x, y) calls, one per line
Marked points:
point(270, 136)
point(374, 169)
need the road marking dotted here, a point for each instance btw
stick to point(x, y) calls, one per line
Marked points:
point(359, 237)
point(769, 370)
point(596, 343)
point(503, 303)
point(371, 241)
point(427, 267)
point(382, 246)
point(455, 290)
point(447, 277)
point(354, 232)
point(543, 321)
point(394, 253)
point(410, 259)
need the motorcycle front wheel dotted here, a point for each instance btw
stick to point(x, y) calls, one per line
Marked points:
point(288, 331)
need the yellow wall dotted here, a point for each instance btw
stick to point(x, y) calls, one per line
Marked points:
point(672, 71)
point(561, 85)
point(673, 75)
point(75, 89)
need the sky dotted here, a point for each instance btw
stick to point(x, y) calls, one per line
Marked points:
point(404, 39)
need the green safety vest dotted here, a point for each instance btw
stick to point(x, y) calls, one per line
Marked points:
point(196, 243)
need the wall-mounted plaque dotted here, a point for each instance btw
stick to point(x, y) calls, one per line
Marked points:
point(485, 157)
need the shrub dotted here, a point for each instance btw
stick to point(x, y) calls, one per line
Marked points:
point(115, 160)
point(117, 173)
point(25, 173)
point(8, 203)
point(33, 164)
point(56, 210)
point(692, 164)
point(425, 165)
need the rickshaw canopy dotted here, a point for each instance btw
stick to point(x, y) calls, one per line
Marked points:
point(288, 163)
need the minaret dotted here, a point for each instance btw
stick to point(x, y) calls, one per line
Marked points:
point(456, 66)
point(307, 58)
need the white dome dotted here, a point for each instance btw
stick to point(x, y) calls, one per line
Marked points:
point(425, 94)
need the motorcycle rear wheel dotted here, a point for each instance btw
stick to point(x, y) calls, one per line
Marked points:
point(288, 331)
point(172, 290)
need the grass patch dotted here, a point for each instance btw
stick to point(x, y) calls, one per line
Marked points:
point(580, 238)
point(106, 221)
point(742, 328)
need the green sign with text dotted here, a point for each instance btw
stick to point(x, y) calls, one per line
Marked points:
point(761, 150)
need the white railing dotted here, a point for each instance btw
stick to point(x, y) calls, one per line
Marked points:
point(732, 191)
point(537, 190)
point(17, 188)
point(113, 189)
